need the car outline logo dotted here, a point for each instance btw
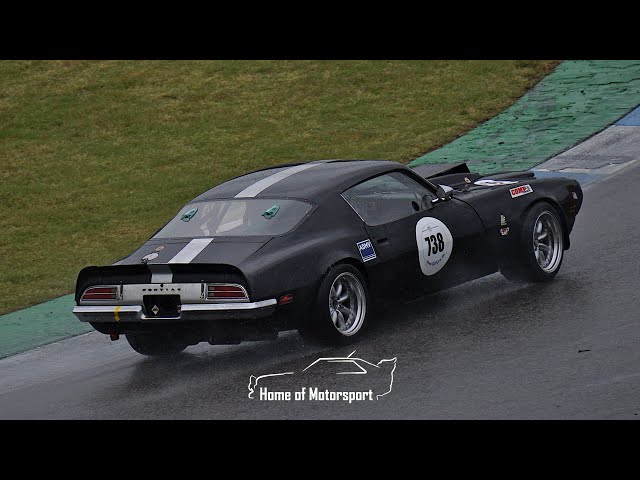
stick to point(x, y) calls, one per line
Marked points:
point(359, 362)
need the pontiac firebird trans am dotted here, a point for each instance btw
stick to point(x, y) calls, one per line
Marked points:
point(313, 246)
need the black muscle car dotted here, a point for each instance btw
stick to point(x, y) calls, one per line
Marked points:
point(312, 246)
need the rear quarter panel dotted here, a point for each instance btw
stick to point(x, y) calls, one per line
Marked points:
point(295, 263)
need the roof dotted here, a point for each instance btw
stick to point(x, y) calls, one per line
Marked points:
point(309, 181)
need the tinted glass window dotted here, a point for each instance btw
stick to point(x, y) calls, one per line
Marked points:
point(242, 217)
point(386, 198)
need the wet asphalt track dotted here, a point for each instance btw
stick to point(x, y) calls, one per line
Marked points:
point(488, 350)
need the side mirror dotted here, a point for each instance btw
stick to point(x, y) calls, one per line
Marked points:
point(444, 192)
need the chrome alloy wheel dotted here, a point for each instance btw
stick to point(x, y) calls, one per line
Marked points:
point(547, 242)
point(347, 304)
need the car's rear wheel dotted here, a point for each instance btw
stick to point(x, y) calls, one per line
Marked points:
point(541, 248)
point(156, 344)
point(341, 307)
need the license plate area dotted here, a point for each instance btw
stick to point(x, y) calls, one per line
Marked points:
point(161, 306)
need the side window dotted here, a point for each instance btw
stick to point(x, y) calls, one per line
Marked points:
point(386, 198)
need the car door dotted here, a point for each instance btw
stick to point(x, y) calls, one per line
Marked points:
point(423, 243)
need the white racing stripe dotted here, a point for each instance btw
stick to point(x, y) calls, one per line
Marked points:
point(160, 273)
point(191, 250)
point(256, 188)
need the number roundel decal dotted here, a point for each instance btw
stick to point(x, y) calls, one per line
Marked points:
point(435, 244)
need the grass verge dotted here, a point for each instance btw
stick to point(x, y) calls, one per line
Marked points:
point(96, 155)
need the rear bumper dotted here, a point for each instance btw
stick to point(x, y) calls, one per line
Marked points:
point(188, 312)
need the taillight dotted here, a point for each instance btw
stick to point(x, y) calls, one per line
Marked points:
point(100, 293)
point(225, 291)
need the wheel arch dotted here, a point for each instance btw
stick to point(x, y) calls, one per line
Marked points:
point(349, 261)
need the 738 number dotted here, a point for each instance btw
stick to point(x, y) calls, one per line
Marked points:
point(435, 244)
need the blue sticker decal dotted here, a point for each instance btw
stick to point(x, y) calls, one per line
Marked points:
point(366, 250)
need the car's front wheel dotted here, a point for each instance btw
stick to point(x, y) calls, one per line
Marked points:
point(156, 344)
point(341, 308)
point(541, 248)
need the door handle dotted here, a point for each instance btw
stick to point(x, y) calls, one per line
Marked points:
point(382, 241)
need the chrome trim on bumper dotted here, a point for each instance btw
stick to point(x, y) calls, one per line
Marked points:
point(189, 311)
point(107, 309)
point(214, 307)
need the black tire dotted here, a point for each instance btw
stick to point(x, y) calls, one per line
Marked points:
point(160, 344)
point(320, 326)
point(530, 264)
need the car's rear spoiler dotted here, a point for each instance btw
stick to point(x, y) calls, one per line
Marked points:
point(458, 174)
point(440, 169)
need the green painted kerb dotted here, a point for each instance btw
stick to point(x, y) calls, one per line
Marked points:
point(39, 325)
point(578, 99)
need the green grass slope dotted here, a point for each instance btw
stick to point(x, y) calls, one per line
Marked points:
point(96, 155)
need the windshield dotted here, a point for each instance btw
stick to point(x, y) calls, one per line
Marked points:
point(231, 218)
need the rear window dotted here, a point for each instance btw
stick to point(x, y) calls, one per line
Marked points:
point(233, 218)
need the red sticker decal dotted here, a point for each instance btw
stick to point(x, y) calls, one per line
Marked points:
point(521, 190)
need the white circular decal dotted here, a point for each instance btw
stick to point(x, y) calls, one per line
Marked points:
point(435, 244)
